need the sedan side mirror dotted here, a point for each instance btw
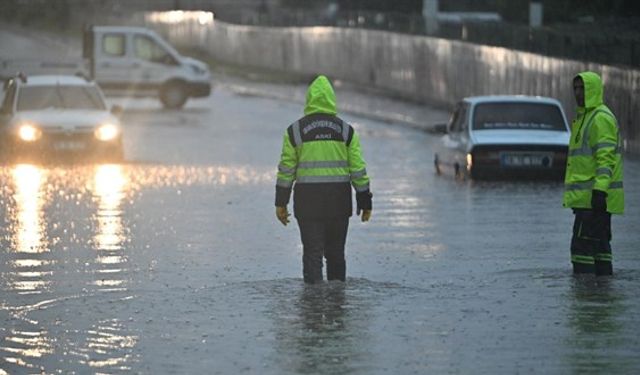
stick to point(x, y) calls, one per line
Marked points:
point(117, 110)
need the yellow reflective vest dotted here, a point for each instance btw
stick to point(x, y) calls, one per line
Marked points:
point(595, 160)
point(322, 157)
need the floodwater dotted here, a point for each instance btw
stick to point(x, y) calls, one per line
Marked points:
point(173, 262)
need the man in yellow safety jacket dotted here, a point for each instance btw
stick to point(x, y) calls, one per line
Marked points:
point(593, 180)
point(321, 154)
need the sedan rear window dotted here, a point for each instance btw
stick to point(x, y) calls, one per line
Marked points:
point(530, 116)
point(61, 97)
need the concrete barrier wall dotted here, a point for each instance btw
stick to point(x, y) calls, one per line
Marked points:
point(431, 70)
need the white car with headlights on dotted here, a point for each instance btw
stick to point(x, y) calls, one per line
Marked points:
point(508, 136)
point(59, 116)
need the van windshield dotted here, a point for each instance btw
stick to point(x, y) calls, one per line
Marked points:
point(509, 115)
point(60, 97)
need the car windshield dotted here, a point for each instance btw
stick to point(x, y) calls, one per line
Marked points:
point(530, 116)
point(59, 96)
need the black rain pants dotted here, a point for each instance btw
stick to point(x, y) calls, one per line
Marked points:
point(590, 244)
point(323, 238)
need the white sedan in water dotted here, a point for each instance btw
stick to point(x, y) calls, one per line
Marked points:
point(503, 137)
point(44, 116)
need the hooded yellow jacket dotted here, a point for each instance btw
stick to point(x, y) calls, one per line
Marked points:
point(595, 160)
point(321, 159)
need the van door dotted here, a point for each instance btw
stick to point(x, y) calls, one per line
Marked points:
point(113, 67)
point(154, 62)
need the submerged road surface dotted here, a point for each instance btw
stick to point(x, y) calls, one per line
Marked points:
point(174, 262)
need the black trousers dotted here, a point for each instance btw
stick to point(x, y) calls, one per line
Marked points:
point(590, 244)
point(323, 238)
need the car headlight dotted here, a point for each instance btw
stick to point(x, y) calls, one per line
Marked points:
point(107, 132)
point(29, 133)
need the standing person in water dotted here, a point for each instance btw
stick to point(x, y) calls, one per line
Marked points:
point(321, 155)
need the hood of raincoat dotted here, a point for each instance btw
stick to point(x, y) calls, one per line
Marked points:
point(320, 97)
point(592, 89)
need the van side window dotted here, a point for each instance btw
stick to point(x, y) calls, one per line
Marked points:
point(147, 49)
point(113, 45)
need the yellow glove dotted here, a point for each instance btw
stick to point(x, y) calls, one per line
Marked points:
point(366, 215)
point(283, 215)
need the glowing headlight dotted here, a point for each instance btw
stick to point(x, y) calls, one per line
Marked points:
point(29, 133)
point(107, 132)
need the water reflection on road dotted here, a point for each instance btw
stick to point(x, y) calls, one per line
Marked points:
point(65, 242)
point(109, 185)
point(49, 266)
point(599, 325)
point(28, 238)
point(317, 329)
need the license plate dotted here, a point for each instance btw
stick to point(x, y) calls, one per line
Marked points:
point(69, 145)
point(526, 160)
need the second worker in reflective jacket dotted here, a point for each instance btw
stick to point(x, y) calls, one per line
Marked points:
point(593, 180)
point(321, 160)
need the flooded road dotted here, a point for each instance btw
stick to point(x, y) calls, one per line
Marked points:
point(173, 262)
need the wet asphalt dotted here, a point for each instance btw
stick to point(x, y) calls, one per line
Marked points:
point(173, 261)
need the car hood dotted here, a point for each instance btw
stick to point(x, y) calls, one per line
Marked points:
point(65, 119)
point(519, 137)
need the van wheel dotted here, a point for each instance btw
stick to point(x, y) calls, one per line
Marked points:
point(173, 95)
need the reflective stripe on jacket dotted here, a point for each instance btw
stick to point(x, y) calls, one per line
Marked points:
point(595, 159)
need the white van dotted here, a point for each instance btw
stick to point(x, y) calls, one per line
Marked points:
point(134, 61)
point(127, 61)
